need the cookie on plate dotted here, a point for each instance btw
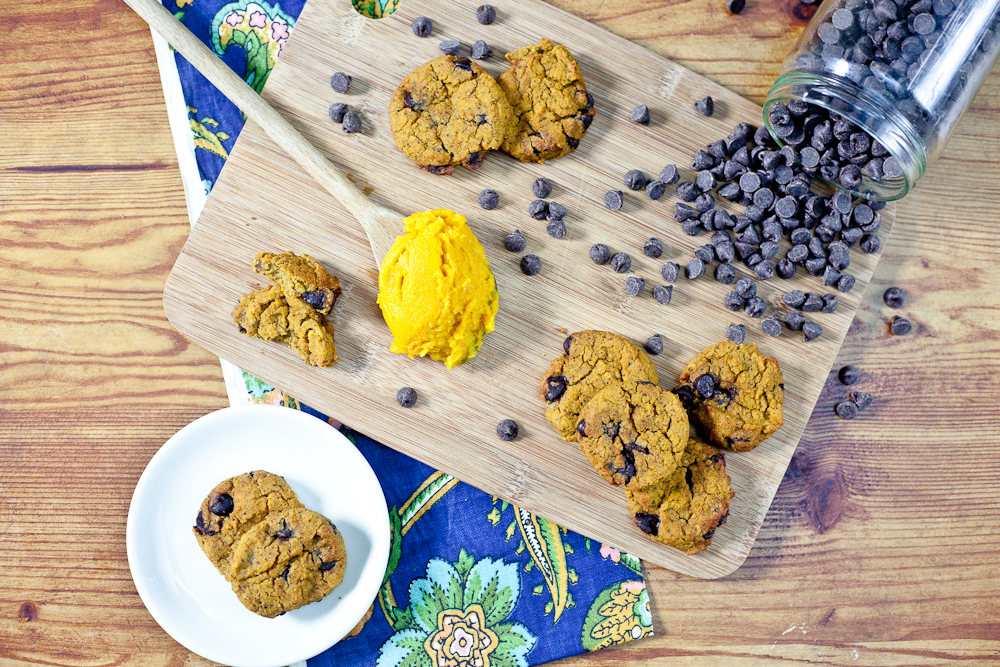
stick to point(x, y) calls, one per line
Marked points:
point(288, 560)
point(300, 276)
point(592, 361)
point(633, 433)
point(684, 510)
point(272, 315)
point(735, 394)
point(449, 112)
point(236, 505)
point(551, 104)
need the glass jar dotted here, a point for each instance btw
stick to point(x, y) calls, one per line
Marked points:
point(901, 71)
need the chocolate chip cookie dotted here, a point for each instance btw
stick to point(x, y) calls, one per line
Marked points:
point(300, 276)
point(236, 505)
point(735, 394)
point(634, 434)
point(449, 112)
point(272, 315)
point(550, 101)
point(684, 510)
point(288, 560)
point(592, 361)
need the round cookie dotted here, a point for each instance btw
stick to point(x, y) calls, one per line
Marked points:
point(633, 433)
point(449, 112)
point(735, 394)
point(551, 105)
point(288, 560)
point(684, 510)
point(233, 507)
point(592, 361)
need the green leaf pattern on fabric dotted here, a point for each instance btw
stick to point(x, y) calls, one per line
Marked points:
point(260, 29)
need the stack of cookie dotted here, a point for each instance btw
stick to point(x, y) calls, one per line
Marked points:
point(603, 393)
point(277, 554)
point(452, 112)
point(292, 311)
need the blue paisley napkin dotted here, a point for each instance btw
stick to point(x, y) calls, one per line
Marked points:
point(472, 580)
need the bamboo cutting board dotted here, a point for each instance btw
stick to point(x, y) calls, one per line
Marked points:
point(264, 202)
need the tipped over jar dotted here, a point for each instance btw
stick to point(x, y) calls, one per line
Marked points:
point(874, 88)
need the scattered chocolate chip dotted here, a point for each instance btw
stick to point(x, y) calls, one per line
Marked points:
point(337, 112)
point(669, 271)
point(542, 188)
point(652, 248)
point(489, 199)
point(670, 175)
point(849, 375)
point(406, 397)
point(756, 307)
point(733, 301)
point(695, 269)
point(351, 122)
point(663, 294)
point(894, 297)
point(614, 199)
point(531, 265)
point(846, 410)
point(705, 106)
point(655, 189)
point(736, 333)
point(812, 303)
point(555, 386)
point(735, 6)
point(811, 331)
point(340, 82)
point(746, 288)
point(538, 209)
point(507, 430)
point(556, 211)
point(771, 326)
point(861, 399)
point(556, 229)
point(450, 47)
point(899, 326)
point(621, 262)
point(486, 14)
point(640, 115)
point(599, 253)
point(481, 50)
point(794, 320)
point(654, 344)
point(725, 274)
point(845, 283)
point(422, 26)
point(634, 285)
point(222, 505)
point(515, 241)
point(830, 303)
point(635, 179)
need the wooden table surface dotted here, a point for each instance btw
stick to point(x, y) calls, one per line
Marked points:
point(882, 546)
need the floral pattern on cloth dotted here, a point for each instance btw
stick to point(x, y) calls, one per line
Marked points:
point(472, 581)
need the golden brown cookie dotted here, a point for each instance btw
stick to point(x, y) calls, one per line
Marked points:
point(449, 112)
point(236, 505)
point(551, 104)
point(592, 361)
point(301, 277)
point(684, 510)
point(735, 394)
point(288, 560)
point(633, 433)
point(272, 316)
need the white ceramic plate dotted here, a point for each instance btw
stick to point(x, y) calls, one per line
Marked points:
point(182, 589)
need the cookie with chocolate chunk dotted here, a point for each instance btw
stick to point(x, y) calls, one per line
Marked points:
point(735, 393)
point(592, 361)
point(552, 107)
point(633, 433)
point(271, 315)
point(300, 276)
point(288, 560)
point(685, 510)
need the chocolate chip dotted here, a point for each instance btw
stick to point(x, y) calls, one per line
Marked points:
point(556, 229)
point(735, 6)
point(515, 241)
point(687, 191)
point(640, 115)
point(652, 248)
point(899, 326)
point(705, 253)
point(655, 189)
point(635, 179)
point(340, 82)
point(894, 297)
point(486, 14)
point(599, 253)
point(848, 375)
point(581, 428)
point(222, 505)
point(845, 283)
point(771, 326)
point(556, 211)
point(847, 410)
point(621, 262)
point(669, 271)
point(705, 106)
point(785, 268)
point(422, 26)
point(811, 331)
point(542, 188)
point(705, 385)
point(812, 303)
point(351, 122)
point(694, 269)
point(531, 265)
point(463, 64)
point(567, 344)
point(870, 243)
point(648, 523)
point(327, 565)
point(725, 274)
point(555, 386)
point(284, 533)
point(614, 199)
point(794, 320)
point(634, 285)
point(337, 112)
point(450, 47)
point(736, 333)
point(202, 527)
point(481, 50)
point(538, 209)
point(733, 301)
point(489, 199)
point(654, 344)
point(861, 399)
point(794, 299)
point(756, 307)
point(670, 175)
point(663, 294)
point(746, 288)
point(406, 397)
point(507, 430)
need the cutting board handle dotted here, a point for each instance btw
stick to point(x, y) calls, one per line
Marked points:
point(381, 224)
